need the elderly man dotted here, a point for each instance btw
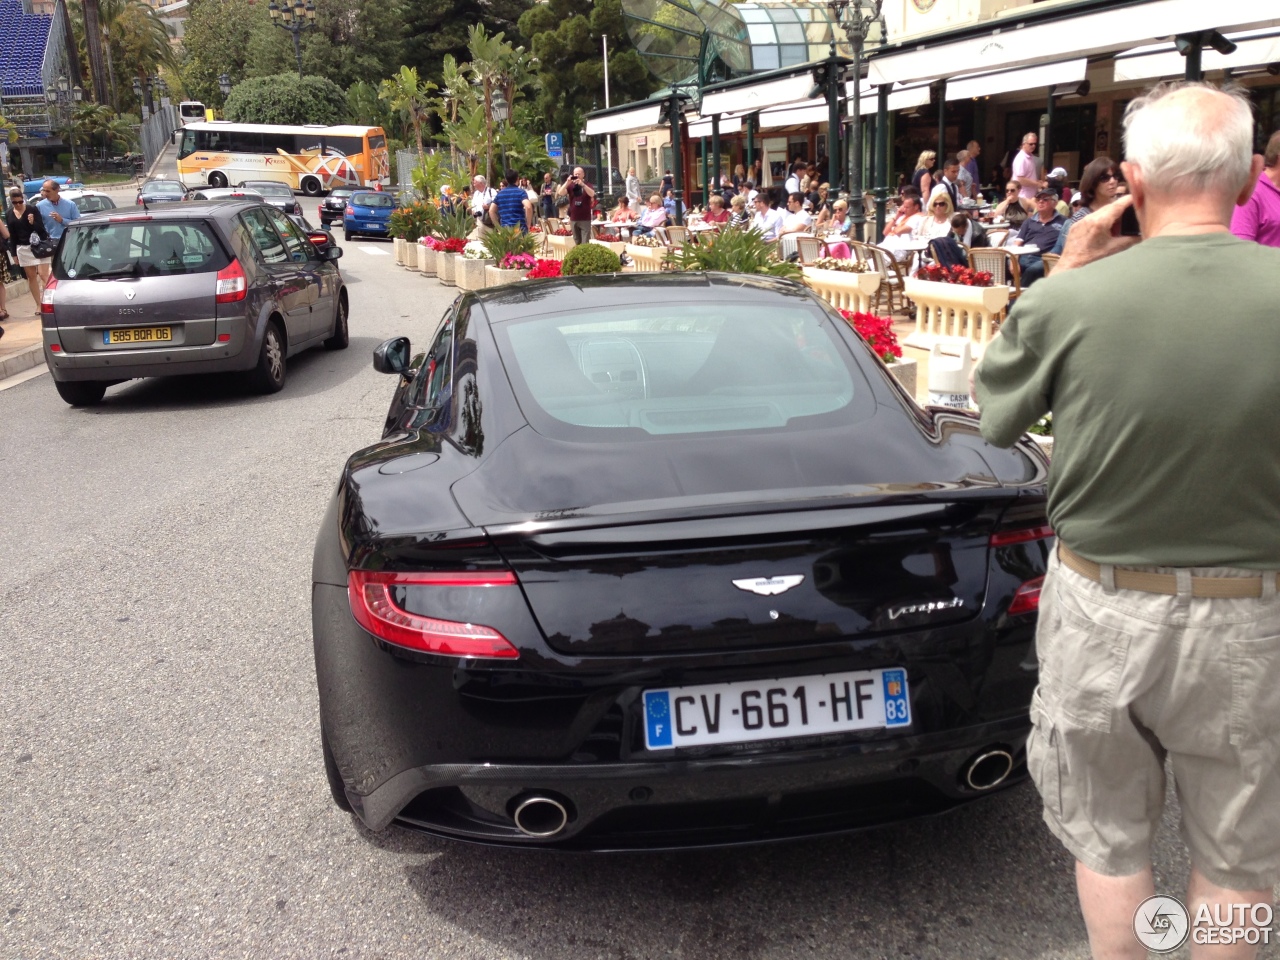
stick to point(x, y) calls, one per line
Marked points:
point(969, 163)
point(1259, 219)
point(767, 222)
point(1026, 168)
point(1159, 615)
point(481, 196)
point(1040, 231)
point(57, 213)
point(654, 216)
point(581, 197)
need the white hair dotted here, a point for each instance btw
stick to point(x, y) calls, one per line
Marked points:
point(1190, 136)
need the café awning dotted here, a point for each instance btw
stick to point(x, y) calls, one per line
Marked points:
point(1044, 34)
point(813, 112)
point(1011, 81)
point(701, 126)
point(744, 98)
point(1254, 48)
point(642, 117)
point(900, 98)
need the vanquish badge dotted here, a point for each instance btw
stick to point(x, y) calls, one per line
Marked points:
point(933, 606)
point(770, 586)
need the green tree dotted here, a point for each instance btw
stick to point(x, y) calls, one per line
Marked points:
point(563, 32)
point(286, 99)
point(365, 107)
point(436, 28)
point(135, 42)
point(409, 94)
point(217, 41)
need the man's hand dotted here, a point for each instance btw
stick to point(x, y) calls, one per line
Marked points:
point(1096, 236)
point(57, 217)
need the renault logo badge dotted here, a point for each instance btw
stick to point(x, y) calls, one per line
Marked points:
point(129, 294)
point(769, 586)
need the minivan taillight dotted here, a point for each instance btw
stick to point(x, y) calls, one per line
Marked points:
point(1027, 599)
point(1008, 537)
point(46, 299)
point(374, 608)
point(231, 283)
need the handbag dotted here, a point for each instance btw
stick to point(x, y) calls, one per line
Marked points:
point(41, 247)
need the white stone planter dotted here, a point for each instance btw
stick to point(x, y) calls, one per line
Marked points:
point(904, 371)
point(410, 254)
point(399, 250)
point(496, 276)
point(646, 259)
point(557, 247)
point(426, 260)
point(1044, 443)
point(842, 289)
point(616, 246)
point(470, 273)
point(954, 310)
point(447, 268)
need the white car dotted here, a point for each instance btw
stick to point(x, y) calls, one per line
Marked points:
point(89, 201)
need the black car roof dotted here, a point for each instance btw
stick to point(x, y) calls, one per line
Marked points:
point(608, 290)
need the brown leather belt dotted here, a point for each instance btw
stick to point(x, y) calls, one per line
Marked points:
point(1166, 583)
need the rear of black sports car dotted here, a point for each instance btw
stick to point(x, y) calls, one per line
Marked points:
point(671, 561)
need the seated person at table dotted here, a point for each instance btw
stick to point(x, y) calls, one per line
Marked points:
point(1013, 208)
point(1039, 231)
point(739, 218)
point(969, 231)
point(797, 220)
point(902, 229)
point(937, 219)
point(622, 212)
point(716, 212)
point(767, 222)
point(654, 216)
point(838, 224)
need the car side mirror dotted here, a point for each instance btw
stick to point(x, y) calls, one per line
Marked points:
point(392, 356)
point(331, 253)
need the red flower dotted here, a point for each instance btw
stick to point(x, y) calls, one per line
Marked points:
point(965, 276)
point(877, 332)
point(544, 269)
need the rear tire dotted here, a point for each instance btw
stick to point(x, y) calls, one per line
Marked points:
point(341, 336)
point(81, 393)
point(311, 186)
point(268, 376)
point(217, 179)
point(336, 787)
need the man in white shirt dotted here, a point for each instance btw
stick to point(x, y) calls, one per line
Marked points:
point(902, 228)
point(796, 219)
point(793, 181)
point(481, 196)
point(949, 184)
point(967, 187)
point(767, 222)
point(1026, 168)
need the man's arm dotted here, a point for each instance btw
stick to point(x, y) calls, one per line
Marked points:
point(1096, 236)
point(528, 213)
point(1012, 382)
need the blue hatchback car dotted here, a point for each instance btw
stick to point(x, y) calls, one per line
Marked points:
point(368, 212)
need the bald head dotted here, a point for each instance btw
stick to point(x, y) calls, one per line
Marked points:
point(1190, 137)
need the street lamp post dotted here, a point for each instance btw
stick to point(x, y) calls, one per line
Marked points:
point(224, 85)
point(295, 18)
point(857, 17)
point(62, 97)
point(501, 110)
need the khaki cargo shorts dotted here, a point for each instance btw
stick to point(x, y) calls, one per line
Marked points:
point(1130, 679)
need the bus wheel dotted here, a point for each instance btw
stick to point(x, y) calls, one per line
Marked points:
point(311, 186)
point(217, 179)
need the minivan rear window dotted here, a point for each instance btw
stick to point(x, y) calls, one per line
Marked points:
point(139, 248)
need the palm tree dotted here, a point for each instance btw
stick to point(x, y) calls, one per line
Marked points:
point(134, 35)
point(93, 43)
point(455, 92)
point(407, 93)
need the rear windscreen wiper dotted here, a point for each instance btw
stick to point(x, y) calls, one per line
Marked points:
point(133, 270)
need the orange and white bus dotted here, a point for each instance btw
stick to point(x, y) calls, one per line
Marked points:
point(312, 158)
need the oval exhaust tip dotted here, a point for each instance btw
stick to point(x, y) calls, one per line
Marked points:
point(989, 769)
point(540, 817)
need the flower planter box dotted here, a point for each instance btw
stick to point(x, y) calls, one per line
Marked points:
point(646, 259)
point(843, 289)
point(426, 261)
point(616, 246)
point(410, 254)
point(470, 273)
point(904, 371)
point(399, 246)
point(447, 268)
point(496, 276)
point(954, 310)
point(1044, 443)
point(557, 247)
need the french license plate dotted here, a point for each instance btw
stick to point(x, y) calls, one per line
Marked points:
point(374, 225)
point(137, 335)
point(772, 709)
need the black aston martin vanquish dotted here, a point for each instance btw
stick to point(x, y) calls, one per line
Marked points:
point(669, 560)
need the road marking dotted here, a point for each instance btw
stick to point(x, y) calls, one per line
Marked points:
point(373, 251)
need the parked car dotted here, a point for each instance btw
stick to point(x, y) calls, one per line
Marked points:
point(367, 212)
point(331, 207)
point(279, 195)
point(201, 287)
point(670, 560)
point(89, 201)
point(223, 193)
point(32, 187)
point(161, 191)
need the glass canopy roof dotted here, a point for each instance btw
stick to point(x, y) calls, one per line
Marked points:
point(706, 41)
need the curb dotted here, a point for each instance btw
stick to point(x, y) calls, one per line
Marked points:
point(24, 359)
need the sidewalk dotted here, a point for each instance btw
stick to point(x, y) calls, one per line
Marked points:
point(22, 345)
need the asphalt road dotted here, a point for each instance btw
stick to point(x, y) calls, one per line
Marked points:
point(161, 787)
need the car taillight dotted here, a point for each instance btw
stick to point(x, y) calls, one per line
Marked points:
point(1005, 538)
point(46, 299)
point(349, 212)
point(231, 284)
point(369, 592)
point(1027, 599)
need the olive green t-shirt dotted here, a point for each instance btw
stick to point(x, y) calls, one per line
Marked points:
point(1161, 366)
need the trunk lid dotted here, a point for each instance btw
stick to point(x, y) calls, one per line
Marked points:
point(741, 582)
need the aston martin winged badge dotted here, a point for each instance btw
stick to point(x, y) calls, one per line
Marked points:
point(769, 586)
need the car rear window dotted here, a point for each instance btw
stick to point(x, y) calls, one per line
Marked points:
point(162, 188)
point(654, 370)
point(270, 189)
point(142, 248)
point(378, 201)
point(94, 204)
